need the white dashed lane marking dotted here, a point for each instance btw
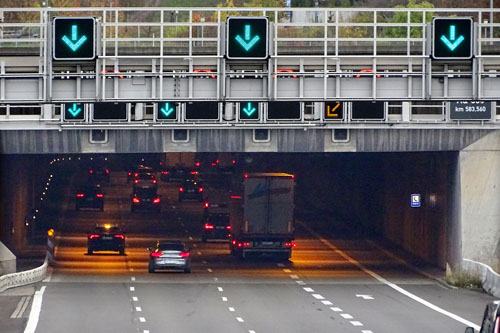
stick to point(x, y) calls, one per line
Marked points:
point(224, 299)
point(138, 309)
point(209, 270)
point(135, 299)
point(281, 265)
point(366, 331)
point(220, 289)
point(231, 309)
point(346, 316)
point(286, 270)
point(302, 283)
point(309, 290)
point(132, 288)
point(356, 323)
point(326, 302)
point(317, 296)
point(142, 319)
point(295, 277)
point(336, 309)
point(132, 278)
point(239, 319)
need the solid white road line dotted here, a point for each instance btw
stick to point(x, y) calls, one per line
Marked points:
point(35, 311)
point(239, 319)
point(145, 331)
point(390, 284)
point(346, 316)
point(309, 290)
point(335, 309)
point(356, 323)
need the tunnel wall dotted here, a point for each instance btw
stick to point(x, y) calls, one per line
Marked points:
point(480, 194)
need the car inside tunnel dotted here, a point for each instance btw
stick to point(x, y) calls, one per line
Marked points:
point(364, 197)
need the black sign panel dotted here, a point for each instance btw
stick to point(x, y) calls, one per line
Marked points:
point(249, 110)
point(110, 111)
point(166, 111)
point(470, 110)
point(247, 38)
point(74, 112)
point(452, 38)
point(334, 111)
point(366, 110)
point(284, 111)
point(202, 110)
point(73, 38)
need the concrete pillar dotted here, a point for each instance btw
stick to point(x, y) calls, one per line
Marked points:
point(480, 200)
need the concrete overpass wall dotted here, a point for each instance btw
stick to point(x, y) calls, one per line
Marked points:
point(480, 196)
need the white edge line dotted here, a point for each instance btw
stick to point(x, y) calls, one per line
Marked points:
point(35, 311)
point(390, 284)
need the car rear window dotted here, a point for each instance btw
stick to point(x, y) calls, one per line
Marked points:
point(219, 219)
point(112, 230)
point(171, 247)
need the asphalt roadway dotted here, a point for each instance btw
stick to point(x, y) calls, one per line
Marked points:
point(331, 284)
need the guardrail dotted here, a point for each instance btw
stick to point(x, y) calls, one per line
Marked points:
point(489, 278)
point(23, 278)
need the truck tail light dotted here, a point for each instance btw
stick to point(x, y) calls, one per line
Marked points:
point(136, 200)
point(80, 195)
point(156, 201)
point(246, 244)
point(91, 171)
point(200, 189)
point(94, 236)
point(290, 244)
point(181, 189)
point(209, 226)
point(107, 171)
point(228, 227)
point(207, 204)
point(154, 181)
point(99, 195)
point(136, 181)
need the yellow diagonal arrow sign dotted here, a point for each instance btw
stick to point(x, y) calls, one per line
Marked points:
point(330, 112)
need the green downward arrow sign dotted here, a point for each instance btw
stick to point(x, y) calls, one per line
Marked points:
point(167, 110)
point(248, 42)
point(249, 109)
point(75, 43)
point(74, 111)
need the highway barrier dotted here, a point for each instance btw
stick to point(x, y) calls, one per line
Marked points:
point(23, 278)
point(489, 278)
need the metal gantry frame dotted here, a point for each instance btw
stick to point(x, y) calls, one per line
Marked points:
point(148, 55)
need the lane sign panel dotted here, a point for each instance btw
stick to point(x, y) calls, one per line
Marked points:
point(334, 111)
point(452, 38)
point(247, 38)
point(73, 38)
point(249, 111)
point(74, 112)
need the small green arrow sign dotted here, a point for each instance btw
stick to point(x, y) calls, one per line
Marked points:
point(453, 42)
point(74, 111)
point(75, 43)
point(167, 110)
point(249, 109)
point(248, 43)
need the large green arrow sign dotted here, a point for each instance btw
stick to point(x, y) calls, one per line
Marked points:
point(249, 111)
point(452, 38)
point(167, 111)
point(247, 38)
point(73, 112)
point(74, 38)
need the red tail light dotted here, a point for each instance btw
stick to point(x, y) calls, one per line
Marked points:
point(209, 226)
point(197, 164)
point(156, 201)
point(155, 254)
point(107, 171)
point(136, 181)
point(184, 254)
point(99, 195)
point(217, 161)
point(80, 195)
point(234, 242)
point(120, 236)
point(236, 197)
point(164, 172)
point(194, 172)
point(154, 181)
point(207, 204)
point(246, 244)
point(290, 244)
point(91, 171)
point(246, 175)
point(293, 176)
point(240, 244)
point(213, 164)
point(234, 161)
point(136, 174)
point(181, 189)
point(94, 236)
point(136, 200)
point(200, 189)
point(130, 173)
point(228, 227)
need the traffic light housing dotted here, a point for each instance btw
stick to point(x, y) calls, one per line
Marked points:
point(74, 112)
point(247, 38)
point(452, 38)
point(73, 38)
